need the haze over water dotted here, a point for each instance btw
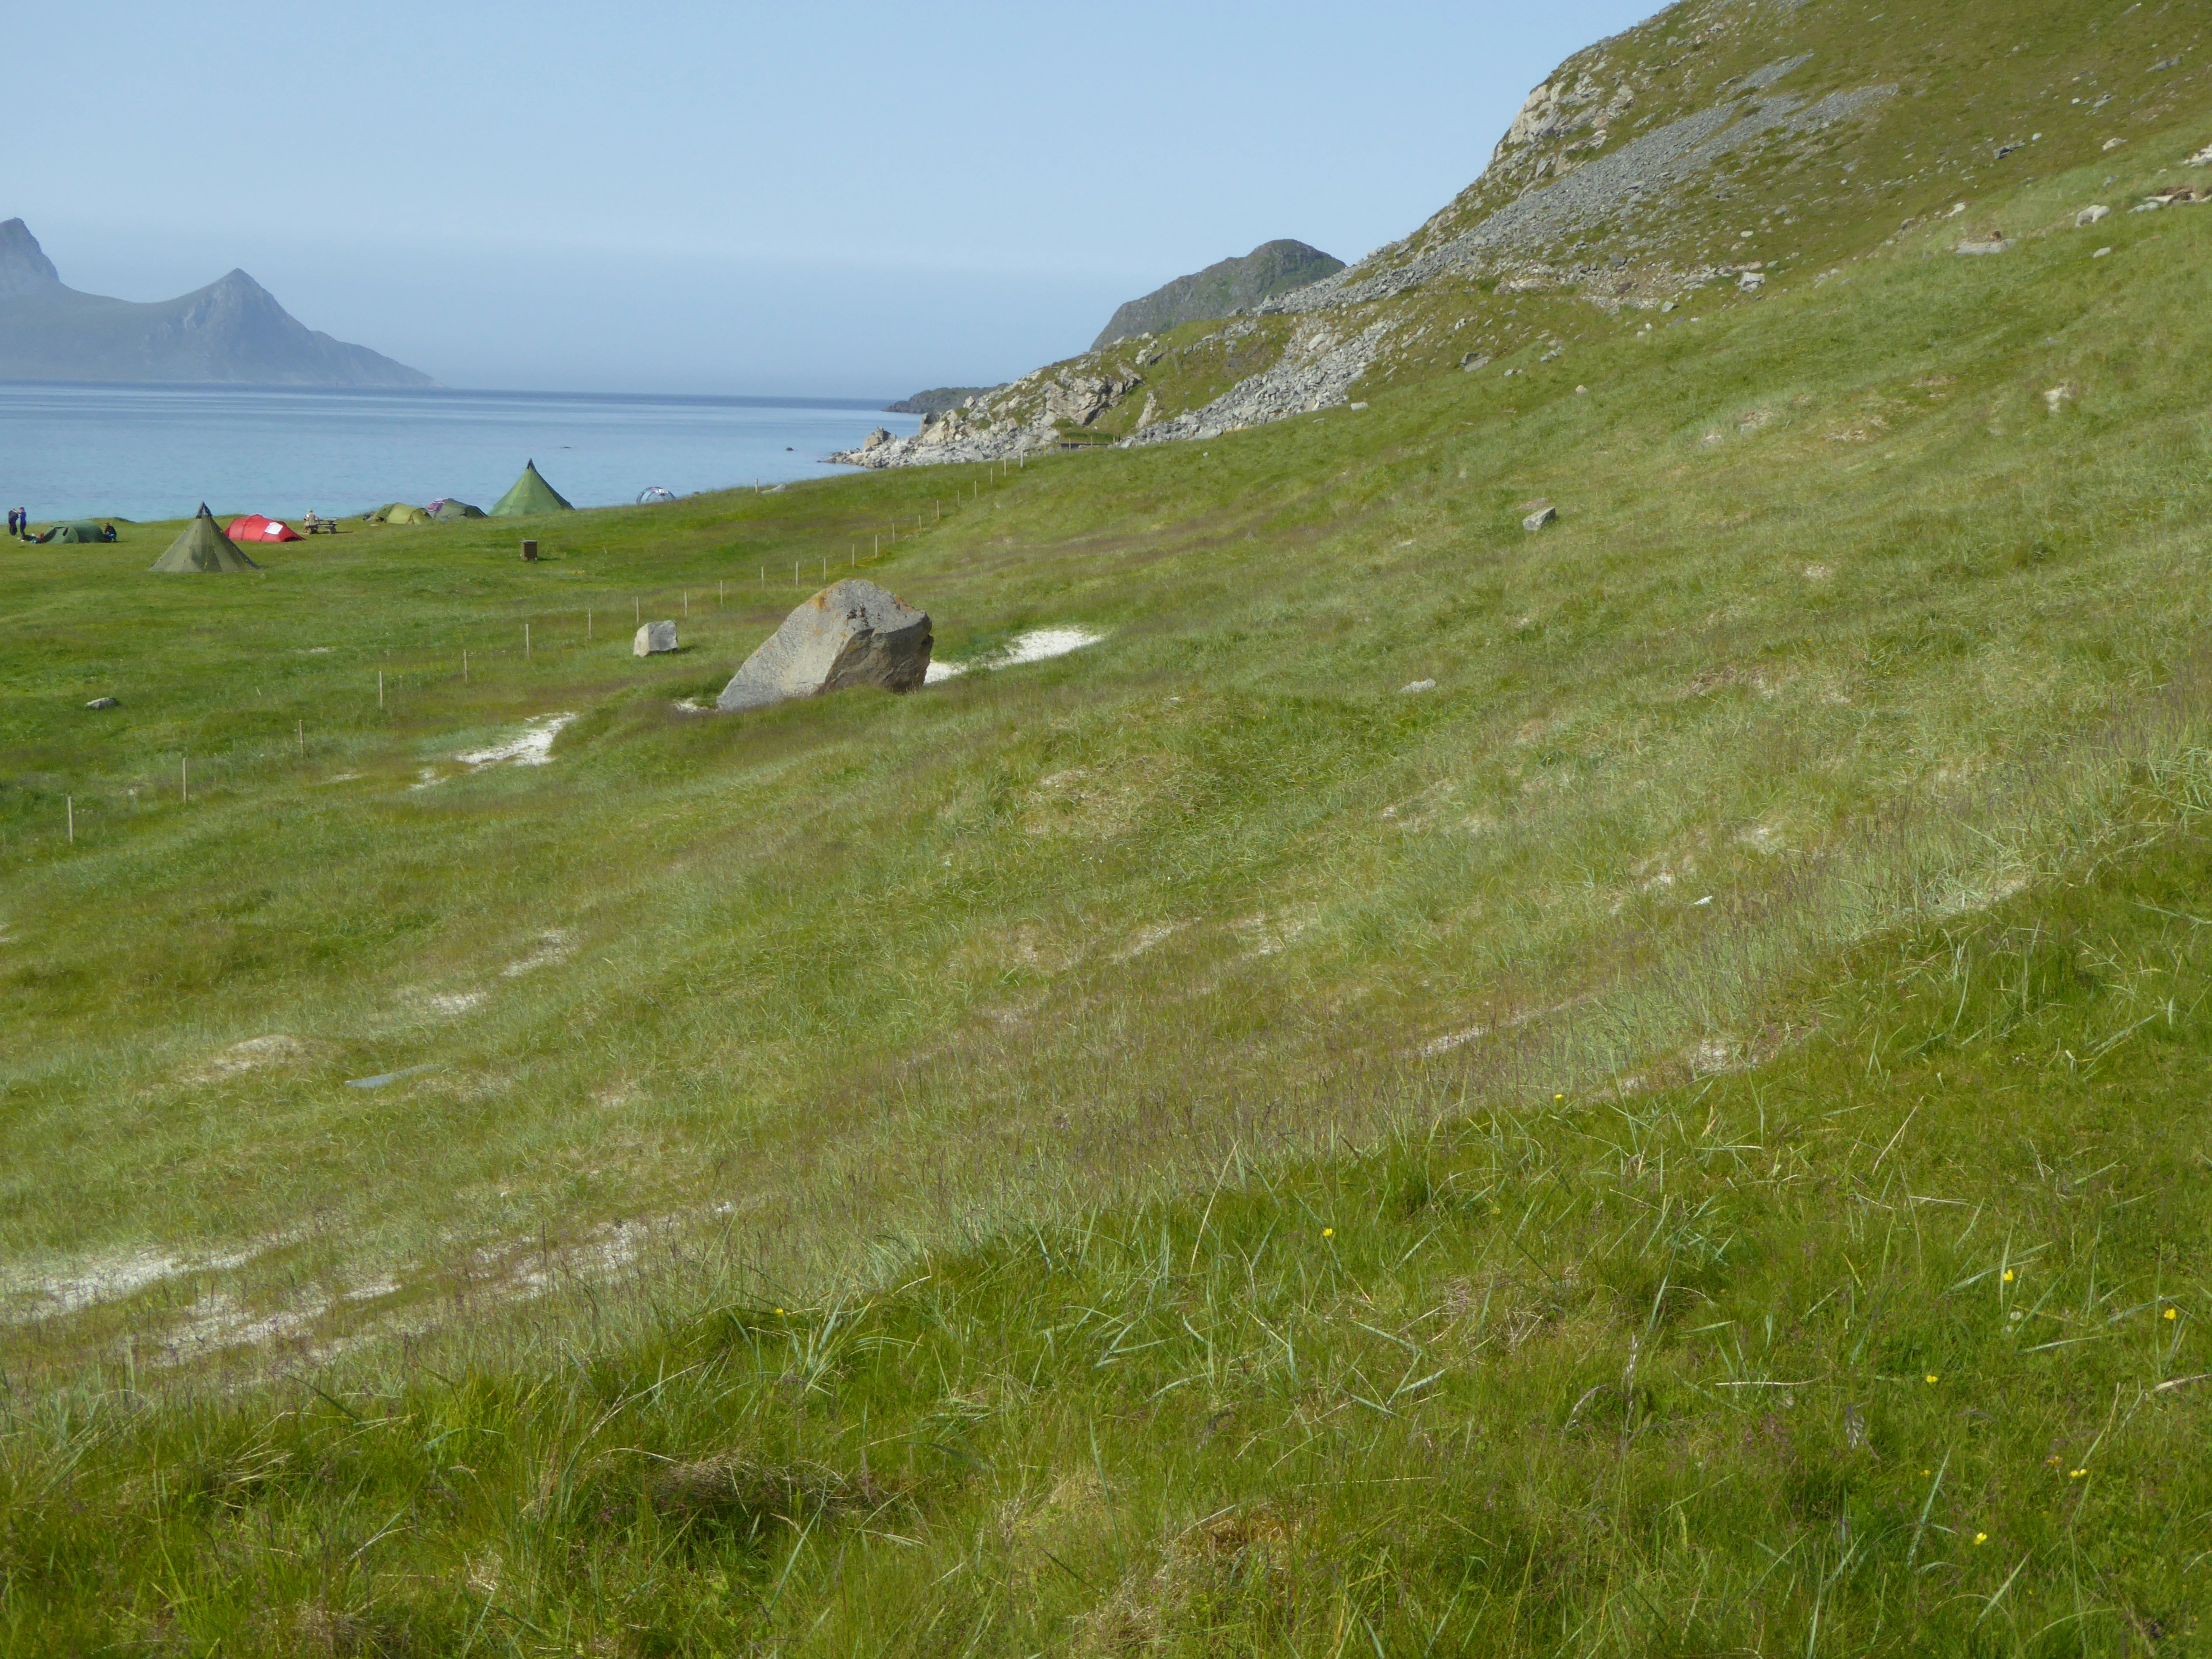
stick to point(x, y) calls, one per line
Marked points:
point(140, 451)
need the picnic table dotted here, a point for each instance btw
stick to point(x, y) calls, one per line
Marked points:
point(319, 527)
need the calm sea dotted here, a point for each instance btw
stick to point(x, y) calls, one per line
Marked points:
point(141, 451)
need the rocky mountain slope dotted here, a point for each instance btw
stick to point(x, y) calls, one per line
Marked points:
point(1221, 289)
point(231, 331)
point(1719, 149)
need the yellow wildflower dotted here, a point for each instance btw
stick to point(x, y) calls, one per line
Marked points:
point(2075, 1474)
point(1981, 1537)
point(2173, 1313)
point(1933, 1378)
point(1329, 1232)
point(2008, 1275)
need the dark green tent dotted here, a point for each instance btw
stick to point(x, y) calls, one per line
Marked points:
point(204, 547)
point(79, 529)
point(531, 494)
point(450, 512)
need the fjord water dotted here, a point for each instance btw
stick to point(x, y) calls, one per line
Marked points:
point(147, 452)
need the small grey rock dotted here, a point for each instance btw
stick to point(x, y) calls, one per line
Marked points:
point(2089, 215)
point(653, 639)
point(1543, 515)
point(1417, 687)
point(852, 633)
point(103, 702)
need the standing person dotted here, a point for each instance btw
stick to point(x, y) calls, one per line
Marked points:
point(14, 523)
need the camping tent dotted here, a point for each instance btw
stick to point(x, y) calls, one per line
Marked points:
point(80, 529)
point(530, 494)
point(204, 547)
point(451, 511)
point(255, 528)
point(399, 513)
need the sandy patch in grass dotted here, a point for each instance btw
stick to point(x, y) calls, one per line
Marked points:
point(1146, 938)
point(442, 1005)
point(555, 946)
point(1267, 935)
point(1087, 801)
point(534, 746)
point(69, 1284)
point(1445, 1044)
point(1038, 645)
point(253, 1055)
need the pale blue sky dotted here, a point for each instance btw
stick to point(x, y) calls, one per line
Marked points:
point(836, 200)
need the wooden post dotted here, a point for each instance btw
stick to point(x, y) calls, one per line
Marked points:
point(825, 567)
point(587, 622)
point(185, 776)
point(720, 593)
point(530, 550)
point(70, 803)
point(795, 573)
point(379, 688)
point(878, 552)
point(637, 610)
point(303, 739)
point(465, 667)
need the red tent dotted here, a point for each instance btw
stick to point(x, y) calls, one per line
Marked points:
point(255, 528)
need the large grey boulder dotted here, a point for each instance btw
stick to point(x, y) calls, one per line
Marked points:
point(653, 639)
point(852, 633)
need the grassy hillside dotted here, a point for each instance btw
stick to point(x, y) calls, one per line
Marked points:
point(1896, 1344)
point(1197, 1142)
point(1784, 139)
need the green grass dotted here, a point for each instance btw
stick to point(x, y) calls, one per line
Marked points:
point(1789, 813)
point(1895, 1344)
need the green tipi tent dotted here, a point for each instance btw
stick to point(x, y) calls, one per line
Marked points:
point(204, 547)
point(530, 494)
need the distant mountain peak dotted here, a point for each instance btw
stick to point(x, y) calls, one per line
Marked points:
point(24, 267)
point(233, 330)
